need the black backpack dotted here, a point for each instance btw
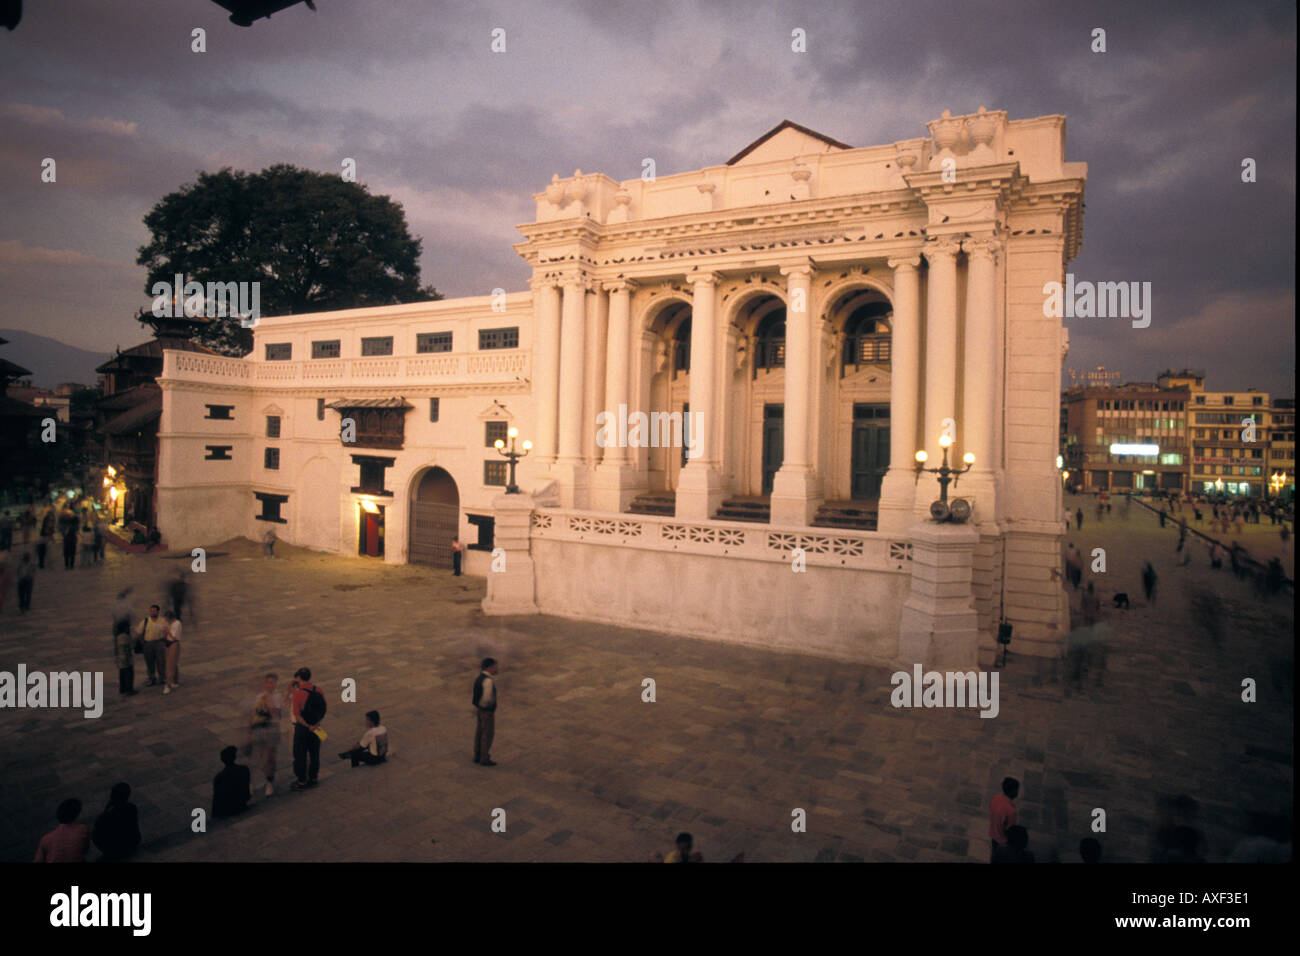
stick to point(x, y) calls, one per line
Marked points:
point(313, 708)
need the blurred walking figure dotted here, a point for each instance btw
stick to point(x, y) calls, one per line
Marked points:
point(27, 522)
point(86, 541)
point(1149, 579)
point(1073, 565)
point(1216, 558)
point(263, 745)
point(1091, 605)
point(69, 526)
point(123, 645)
point(26, 581)
point(1101, 510)
point(1078, 517)
point(101, 533)
point(151, 632)
point(117, 829)
point(457, 552)
point(46, 536)
point(6, 578)
point(67, 842)
point(173, 642)
point(268, 543)
point(178, 589)
point(485, 709)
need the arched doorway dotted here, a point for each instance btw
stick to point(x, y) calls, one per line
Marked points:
point(862, 318)
point(435, 518)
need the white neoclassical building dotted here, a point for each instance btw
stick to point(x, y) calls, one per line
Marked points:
point(775, 337)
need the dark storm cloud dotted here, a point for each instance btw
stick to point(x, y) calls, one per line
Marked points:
point(463, 137)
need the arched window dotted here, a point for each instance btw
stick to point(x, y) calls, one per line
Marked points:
point(682, 347)
point(769, 341)
point(866, 335)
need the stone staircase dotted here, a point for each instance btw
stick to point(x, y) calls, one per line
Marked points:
point(746, 509)
point(654, 503)
point(858, 515)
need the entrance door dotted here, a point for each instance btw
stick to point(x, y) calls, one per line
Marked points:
point(372, 533)
point(435, 519)
point(870, 458)
point(773, 443)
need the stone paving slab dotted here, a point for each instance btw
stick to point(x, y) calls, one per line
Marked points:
point(738, 737)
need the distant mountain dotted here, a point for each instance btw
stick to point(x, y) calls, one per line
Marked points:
point(51, 361)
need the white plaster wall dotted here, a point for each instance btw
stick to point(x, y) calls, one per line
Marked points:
point(830, 612)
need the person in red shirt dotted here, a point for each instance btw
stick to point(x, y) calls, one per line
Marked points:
point(1002, 815)
point(306, 745)
point(69, 841)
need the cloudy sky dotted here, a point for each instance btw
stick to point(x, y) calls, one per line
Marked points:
point(462, 136)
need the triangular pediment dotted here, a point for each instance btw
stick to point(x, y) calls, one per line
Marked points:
point(786, 140)
point(496, 412)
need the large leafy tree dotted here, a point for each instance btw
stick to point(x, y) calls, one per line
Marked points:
point(312, 241)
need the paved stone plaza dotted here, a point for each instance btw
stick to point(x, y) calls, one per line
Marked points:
point(588, 772)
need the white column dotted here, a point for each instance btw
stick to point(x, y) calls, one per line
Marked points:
point(940, 344)
point(546, 364)
point(897, 493)
point(795, 495)
point(979, 398)
point(594, 371)
point(573, 320)
point(612, 485)
point(699, 487)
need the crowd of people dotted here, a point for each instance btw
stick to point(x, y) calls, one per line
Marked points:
point(25, 544)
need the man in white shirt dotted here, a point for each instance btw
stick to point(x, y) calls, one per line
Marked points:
point(372, 748)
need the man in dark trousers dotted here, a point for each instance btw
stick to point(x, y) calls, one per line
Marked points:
point(457, 555)
point(1002, 817)
point(485, 707)
point(308, 711)
point(230, 790)
point(1078, 519)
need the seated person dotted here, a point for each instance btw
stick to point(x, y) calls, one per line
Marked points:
point(372, 748)
point(685, 852)
point(230, 791)
point(1017, 848)
point(117, 829)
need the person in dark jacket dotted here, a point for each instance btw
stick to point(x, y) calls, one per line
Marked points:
point(230, 788)
point(485, 707)
point(117, 829)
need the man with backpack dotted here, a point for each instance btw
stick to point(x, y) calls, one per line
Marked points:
point(308, 711)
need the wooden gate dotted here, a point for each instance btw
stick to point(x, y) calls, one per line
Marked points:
point(433, 526)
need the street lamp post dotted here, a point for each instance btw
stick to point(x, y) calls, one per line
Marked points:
point(947, 475)
point(513, 456)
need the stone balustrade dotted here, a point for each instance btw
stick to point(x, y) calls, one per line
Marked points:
point(825, 547)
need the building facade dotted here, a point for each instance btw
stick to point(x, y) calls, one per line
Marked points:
point(721, 373)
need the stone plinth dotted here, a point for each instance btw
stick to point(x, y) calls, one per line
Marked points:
point(511, 591)
point(939, 628)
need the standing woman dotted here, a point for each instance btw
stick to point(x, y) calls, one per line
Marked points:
point(264, 732)
point(46, 536)
point(172, 640)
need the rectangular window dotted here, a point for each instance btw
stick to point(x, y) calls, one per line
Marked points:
point(433, 342)
point(1200, 399)
point(218, 452)
point(330, 348)
point(279, 351)
point(433, 409)
point(495, 431)
point(1227, 399)
point(379, 345)
point(372, 472)
point(1257, 400)
point(494, 473)
point(270, 506)
point(222, 412)
point(486, 525)
point(272, 426)
point(499, 338)
point(271, 459)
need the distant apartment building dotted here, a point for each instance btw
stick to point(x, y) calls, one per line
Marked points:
point(1129, 437)
point(1174, 435)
